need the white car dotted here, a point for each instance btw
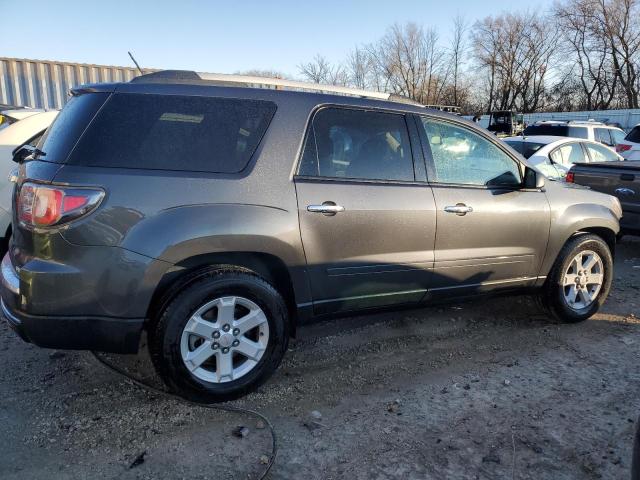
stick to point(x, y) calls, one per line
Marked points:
point(629, 148)
point(9, 117)
point(587, 130)
point(554, 156)
point(22, 132)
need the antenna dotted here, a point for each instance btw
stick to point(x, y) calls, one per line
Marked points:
point(134, 61)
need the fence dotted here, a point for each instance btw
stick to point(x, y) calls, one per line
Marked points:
point(626, 118)
point(45, 84)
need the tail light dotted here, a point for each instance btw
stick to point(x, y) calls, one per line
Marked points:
point(622, 147)
point(48, 206)
point(570, 177)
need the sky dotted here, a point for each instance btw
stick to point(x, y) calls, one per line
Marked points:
point(219, 36)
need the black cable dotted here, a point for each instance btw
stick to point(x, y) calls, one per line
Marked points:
point(212, 406)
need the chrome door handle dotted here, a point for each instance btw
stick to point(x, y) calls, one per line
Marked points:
point(326, 208)
point(458, 209)
point(625, 191)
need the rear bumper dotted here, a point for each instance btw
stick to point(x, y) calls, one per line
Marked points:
point(106, 334)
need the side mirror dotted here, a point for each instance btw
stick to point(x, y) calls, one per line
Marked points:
point(22, 152)
point(533, 179)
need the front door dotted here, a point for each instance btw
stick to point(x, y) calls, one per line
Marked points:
point(367, 225)
point(491, 233)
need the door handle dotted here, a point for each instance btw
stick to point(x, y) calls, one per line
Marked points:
point(328, 208)
point(459, 209)
point(625, 191)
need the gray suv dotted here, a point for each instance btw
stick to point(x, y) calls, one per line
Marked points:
point(219, 217)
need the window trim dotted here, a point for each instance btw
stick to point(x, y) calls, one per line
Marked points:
point(413, 145)
point(424, 140)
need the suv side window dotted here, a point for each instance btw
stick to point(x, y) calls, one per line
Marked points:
point(603, 136)
point(600, 153)
point(463, 156)
point(349, 143)
point(174, 132)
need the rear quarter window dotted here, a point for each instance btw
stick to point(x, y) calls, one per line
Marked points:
point(174, 132)
point(61, 136)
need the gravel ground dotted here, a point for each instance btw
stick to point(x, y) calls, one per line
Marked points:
point(485, 389)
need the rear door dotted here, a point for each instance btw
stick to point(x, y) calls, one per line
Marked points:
point(491, 233)
point(367, 216)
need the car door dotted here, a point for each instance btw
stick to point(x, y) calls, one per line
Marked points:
point(491, 232)
point(367, 216)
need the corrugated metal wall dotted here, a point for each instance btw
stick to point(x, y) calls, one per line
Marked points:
point(45, 84)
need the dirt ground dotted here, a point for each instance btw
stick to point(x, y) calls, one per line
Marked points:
point(486, 389)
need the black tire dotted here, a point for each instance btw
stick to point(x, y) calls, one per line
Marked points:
point(552, 296)
point(165, 335)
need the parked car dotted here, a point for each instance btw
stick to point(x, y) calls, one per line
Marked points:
point(13, 115)
point(554, 156)
point(506, 122)
point(629, 148)
point(587, 130)
point(619, 179)
point(26, 131)
point(220, 217)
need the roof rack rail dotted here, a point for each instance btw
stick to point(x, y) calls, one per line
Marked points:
point(187, 76)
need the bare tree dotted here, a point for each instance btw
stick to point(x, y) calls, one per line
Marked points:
point(320, 70)
point(516, 52)
point(408, 61)
point(359, 68)
point(458, 54)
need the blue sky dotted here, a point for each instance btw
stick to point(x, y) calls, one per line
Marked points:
point(217, 36)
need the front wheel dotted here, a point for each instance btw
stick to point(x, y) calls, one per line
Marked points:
point(221, 337)
point(580, 280)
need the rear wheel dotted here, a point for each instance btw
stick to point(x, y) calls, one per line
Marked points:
point(580, 280)
point(221, 337)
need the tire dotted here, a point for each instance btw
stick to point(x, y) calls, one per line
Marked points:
point(553, 297)
point(173, 343)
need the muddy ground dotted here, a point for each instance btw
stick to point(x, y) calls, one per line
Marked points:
point(487, 389)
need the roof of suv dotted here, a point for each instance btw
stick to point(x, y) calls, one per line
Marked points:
point(191, 83)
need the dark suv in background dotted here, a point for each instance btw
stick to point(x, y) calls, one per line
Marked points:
point(219, 217)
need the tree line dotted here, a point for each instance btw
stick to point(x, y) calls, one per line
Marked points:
point(578, 55)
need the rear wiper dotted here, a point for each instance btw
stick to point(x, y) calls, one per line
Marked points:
point(21, 153)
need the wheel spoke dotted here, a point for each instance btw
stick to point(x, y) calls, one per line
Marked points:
point(572, 295)
point(226, 310)
point(590, 263)
point(569, 280)
point(586, 295)
point(250, 320)
point(595, 279)
point(249, 348)
point(195, 358)
point(224, 366)
point(199, 326)
point(575, 265)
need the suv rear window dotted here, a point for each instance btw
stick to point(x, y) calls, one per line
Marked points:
point(174, 132)
point(557, 130)
point(633, 135)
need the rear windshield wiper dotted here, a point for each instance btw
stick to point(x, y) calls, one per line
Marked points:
point(21, 153)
